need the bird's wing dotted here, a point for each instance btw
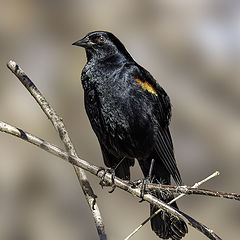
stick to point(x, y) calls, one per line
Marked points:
point(164, 145)
point(164, 150)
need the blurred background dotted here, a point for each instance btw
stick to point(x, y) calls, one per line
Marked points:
point(192, 48)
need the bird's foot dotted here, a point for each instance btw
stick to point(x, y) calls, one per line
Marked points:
point(135, 183)
point(103, 183)
point(144, 182)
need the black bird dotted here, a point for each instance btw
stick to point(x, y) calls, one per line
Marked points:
point(130, 113)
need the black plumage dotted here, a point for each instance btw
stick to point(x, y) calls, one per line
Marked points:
point(130, 113)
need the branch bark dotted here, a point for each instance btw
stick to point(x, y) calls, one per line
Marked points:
point(4, 127)
point(189, 191)
point(63, 134)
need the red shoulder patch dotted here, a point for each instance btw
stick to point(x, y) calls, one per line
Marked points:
point(146, 86)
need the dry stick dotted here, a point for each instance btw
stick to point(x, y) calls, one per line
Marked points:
point(196, 185)
point(107, 178)
point(189, 190)
point(59, 126)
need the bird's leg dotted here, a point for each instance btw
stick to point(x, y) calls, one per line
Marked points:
point(111, 171)
point(136, 183)
point(146, 180)
point(113, 175)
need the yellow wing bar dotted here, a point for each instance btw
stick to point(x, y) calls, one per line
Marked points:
point(147, 86)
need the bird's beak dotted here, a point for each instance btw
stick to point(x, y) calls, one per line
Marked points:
point(82, 43)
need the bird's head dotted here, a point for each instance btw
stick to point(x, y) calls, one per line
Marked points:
point(101, 44)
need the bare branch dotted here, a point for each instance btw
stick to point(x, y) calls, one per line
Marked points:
point(196, 185)
point(189, 191)
point(59, 126)
point(107, 178)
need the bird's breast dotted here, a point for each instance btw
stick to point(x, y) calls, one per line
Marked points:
point(124, 125)
point(121, 116)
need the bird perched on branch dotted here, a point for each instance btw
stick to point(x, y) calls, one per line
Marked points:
point(130, 113)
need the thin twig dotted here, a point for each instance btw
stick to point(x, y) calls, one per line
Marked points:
point(107, 178)
point(196, 185)
point(59, 126)
point(189, 191)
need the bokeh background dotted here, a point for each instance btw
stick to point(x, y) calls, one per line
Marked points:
point(191, 47)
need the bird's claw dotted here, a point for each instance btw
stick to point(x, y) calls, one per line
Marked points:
point(103, 183)
point(135, 183)
point(113, 188)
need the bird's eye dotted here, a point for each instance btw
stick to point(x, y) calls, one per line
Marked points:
point(101, 39)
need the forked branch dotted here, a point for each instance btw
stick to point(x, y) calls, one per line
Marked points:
point(107, 178)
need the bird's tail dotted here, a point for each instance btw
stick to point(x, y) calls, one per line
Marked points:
point(165, 225)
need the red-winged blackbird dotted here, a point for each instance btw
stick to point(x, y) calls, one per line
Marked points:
point(130, 113)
